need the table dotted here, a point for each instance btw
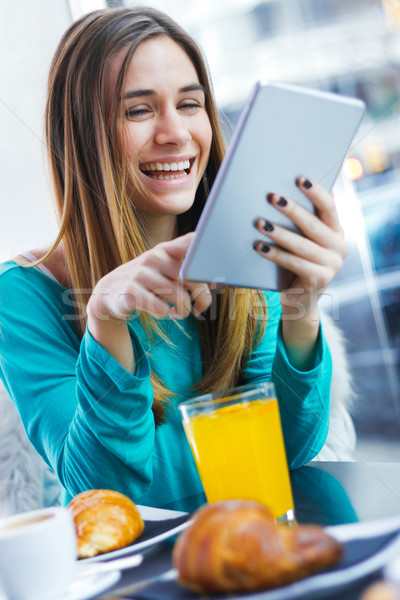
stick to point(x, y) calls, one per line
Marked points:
point(328, 493)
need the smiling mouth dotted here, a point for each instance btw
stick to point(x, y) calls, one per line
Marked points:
point(172, 170)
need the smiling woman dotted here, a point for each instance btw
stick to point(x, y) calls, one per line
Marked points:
point(98, 363)
point(164, 125)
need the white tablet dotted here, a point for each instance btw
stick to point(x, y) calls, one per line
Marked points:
point(284, 131)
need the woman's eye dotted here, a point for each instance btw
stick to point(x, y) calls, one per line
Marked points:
point(137, 113)
point(189, 106)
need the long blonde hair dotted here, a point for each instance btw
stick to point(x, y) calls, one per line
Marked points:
point(99, 226)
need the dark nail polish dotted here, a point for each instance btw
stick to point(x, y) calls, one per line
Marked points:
point(268, 227)
point(282, 201)
point(307, 184)
point(269, 197)
point(264, 249)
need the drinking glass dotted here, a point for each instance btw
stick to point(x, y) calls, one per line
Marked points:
point(237, 443)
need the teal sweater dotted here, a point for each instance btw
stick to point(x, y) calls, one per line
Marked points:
point(91, 420)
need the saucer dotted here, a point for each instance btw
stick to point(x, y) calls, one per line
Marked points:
point(83, 588)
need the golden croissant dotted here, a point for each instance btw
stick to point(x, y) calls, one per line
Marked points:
point(236, 545)
point(105, 520)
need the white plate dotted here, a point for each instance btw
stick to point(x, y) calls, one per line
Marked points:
point(325, 584)
point(83, 588)
point(392, 570)
point(314, 586)
point(149, 514)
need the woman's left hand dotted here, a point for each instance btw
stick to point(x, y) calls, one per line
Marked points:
point(314, 257)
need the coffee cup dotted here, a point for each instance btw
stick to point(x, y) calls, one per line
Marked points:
point(37, 554)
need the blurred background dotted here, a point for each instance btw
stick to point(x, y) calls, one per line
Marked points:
point(351, 47)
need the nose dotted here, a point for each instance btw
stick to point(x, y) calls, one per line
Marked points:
point(171, 129)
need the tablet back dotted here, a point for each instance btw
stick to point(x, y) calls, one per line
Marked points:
point(284, 131)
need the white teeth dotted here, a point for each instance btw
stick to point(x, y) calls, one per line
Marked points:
point(168, 176)
point(179, 166)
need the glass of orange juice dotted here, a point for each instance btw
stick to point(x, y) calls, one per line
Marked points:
point(237, 443)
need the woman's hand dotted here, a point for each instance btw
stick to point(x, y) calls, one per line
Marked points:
point(314, 258)
point(148, 283)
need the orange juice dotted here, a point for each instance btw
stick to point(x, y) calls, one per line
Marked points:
point(240, 454)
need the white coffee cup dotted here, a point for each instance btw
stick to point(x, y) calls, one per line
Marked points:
point(37, 554)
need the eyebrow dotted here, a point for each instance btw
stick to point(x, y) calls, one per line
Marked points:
point(193, 87)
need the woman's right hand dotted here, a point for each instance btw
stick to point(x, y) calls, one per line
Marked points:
point(148, 283)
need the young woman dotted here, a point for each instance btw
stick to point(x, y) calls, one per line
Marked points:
point(100, 340)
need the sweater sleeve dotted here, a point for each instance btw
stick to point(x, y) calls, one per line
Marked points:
point(304, 396)
point(89, 418)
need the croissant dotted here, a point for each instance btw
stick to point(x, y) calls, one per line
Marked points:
point(104, 520)
point(235, 545)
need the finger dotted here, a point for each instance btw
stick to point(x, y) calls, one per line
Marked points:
point(201, 296)
point(309, 224)
point(322, 200)
point(167, 257)
point(141, 300)
point(177, 247)
point(163, 263)
point(159, 260)
point(303, 246)
point(319, 275)
point(172, 291)
point(178, 297)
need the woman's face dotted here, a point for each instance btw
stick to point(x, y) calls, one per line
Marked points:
point(165, 126)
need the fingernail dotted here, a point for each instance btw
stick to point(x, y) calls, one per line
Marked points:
point(268, 226)
point(282, 201)
point(264, 249)
point(307, 184)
